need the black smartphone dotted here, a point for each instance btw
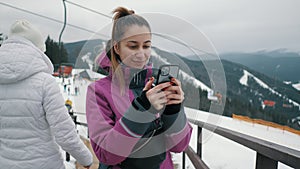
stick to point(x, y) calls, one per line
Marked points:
point(166, 72)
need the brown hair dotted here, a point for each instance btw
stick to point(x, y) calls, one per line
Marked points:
point(123, 18)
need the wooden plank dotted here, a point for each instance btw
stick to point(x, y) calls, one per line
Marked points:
point(195, 159)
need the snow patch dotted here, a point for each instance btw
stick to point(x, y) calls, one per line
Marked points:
point(244, 81)
point(296, 86)
point(287, 82)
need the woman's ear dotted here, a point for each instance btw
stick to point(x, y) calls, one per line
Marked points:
point(117, 48)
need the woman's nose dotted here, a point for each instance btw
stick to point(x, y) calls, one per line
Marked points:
point(139, 54)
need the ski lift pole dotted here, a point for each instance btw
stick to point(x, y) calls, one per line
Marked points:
point(60, 52)
point(60, 35)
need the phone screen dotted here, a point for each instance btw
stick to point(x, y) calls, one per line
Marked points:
point(166, 72)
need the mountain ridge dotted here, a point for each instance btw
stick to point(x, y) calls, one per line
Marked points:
point(280, 65)
point(241, 99)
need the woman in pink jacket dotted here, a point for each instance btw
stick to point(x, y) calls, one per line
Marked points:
point(132, 124)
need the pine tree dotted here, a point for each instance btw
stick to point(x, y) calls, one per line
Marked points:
point(2, 38)
point(55, 54)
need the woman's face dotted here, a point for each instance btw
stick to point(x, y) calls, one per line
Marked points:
point(135, 47)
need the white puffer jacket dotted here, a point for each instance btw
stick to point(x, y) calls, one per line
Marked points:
point(34, 121)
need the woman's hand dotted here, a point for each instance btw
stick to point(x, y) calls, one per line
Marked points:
point(156, 95)
point(164, 93)
point(174, 93)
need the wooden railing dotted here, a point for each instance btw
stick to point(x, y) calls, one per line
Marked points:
point(268, 154)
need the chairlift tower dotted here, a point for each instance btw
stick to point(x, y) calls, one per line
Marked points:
point(60, 51)
point(61, 32)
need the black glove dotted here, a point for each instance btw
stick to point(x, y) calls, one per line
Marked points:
point(172, 109)
point(141, 102)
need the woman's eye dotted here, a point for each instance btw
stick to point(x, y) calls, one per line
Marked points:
point(133, 47)
point(146, 47)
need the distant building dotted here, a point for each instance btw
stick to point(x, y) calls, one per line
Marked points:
point(269, 103)
point(65, 70)
point(91, 75)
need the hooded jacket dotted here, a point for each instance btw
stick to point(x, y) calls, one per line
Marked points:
point(33, 119)
point(103, 61)
point(123, 137)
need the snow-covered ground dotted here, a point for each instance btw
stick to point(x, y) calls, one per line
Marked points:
point(221, 153)
point(218, 152)
point(297, 86)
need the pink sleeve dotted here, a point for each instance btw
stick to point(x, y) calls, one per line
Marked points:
point(178, 142)
point(110, 141)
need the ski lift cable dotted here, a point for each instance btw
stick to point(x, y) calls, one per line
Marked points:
point(26, 11)
point(169, 38)
point(184, 44)
point(89, 9)
point(90, 31)
point(52, 19)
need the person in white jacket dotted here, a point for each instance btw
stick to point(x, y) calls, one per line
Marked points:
point(34, 121)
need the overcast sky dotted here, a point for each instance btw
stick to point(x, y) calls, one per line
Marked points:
point(230, 25)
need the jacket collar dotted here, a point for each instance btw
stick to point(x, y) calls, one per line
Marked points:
point(135, 78)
